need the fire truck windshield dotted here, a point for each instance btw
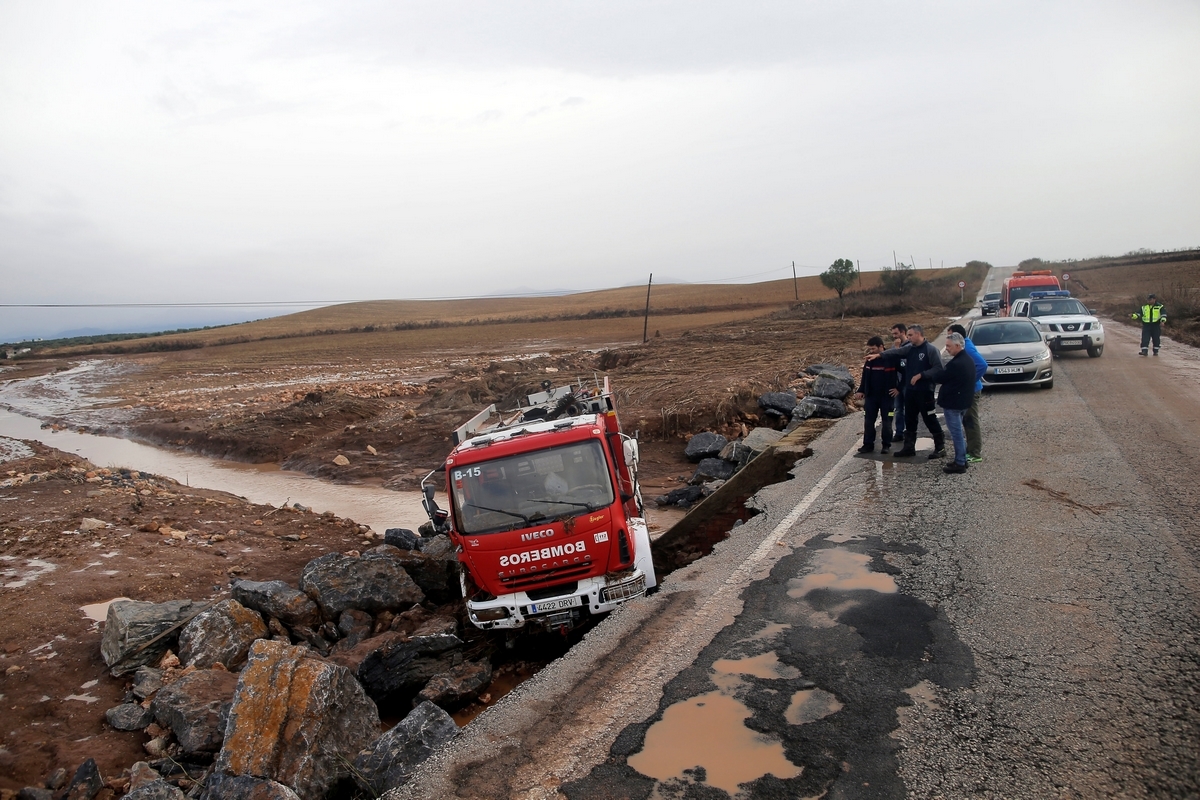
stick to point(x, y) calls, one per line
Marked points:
point(520, 490)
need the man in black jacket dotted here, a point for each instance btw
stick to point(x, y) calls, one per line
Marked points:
point(878, 381)
point(957, 378)
point(918, 356)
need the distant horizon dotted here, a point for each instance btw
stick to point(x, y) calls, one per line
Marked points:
point(188, 310)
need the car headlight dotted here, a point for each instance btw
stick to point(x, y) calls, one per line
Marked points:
point(1043, 327)
point(1043, 356)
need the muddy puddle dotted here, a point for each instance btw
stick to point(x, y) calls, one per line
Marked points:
point(705, 739)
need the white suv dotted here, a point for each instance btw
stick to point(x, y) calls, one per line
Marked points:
point(1065, 322)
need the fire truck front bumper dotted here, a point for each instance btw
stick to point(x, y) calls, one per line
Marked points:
point(564, 608)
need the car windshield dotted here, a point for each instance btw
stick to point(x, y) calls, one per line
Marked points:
point(525, 489)
point(1005, 333)
point(1050, 308)
point(992, 296)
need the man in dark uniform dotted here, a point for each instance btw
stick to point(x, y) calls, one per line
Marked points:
point(918, 355)
point(1151, 315)
point(878, 381)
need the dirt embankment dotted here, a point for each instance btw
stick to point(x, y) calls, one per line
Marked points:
point(72, 535)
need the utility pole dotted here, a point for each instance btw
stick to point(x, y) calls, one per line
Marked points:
point(795, 286)
point(646, 322)
point(858, 268)
point(894, 264)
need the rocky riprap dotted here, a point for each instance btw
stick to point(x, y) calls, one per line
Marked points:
point(275, 691)
point(821, 391)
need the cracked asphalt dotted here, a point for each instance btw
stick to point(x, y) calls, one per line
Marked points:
point(1026, 630)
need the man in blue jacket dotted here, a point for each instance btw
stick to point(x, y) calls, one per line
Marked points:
point(971, 418)
point(957, 378)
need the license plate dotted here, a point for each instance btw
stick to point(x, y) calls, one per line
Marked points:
point(1008, 370)
point(554, 605)
point(1070, 341)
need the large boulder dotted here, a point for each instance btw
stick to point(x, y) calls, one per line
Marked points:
point(778, 403)
point(155, 790)
point(735, 453)
point(221, 635)
point(132, 628)
point(711, 469)
point(454, 689)
point(832, 370)
point(704, 445)
point(683, 497)
point(393, 758)
point(408, 663)
point(146, 681)
point(832, 387)
point(128, 717)
point(276, 599)
point(435, 570)
point(819, 407)
point(295, 720)
point(760, 439)
point(373, 582)
point(402, 538)
point(86, 783)
point(219, 786)
point(192, 708)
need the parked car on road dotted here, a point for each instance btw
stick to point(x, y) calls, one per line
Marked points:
point(989, 306)
point(1065, 322)
point(1015, 352)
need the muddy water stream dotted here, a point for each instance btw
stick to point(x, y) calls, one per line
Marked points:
point(259, 483)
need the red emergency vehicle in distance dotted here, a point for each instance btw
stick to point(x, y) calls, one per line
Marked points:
point(1021, 284)
point(545, 511)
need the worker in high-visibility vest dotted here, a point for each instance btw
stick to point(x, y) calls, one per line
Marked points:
point(1151, 315)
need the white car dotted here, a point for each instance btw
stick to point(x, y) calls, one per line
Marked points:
point(1065, 322)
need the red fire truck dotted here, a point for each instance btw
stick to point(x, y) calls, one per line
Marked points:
point(545, 511)
point(1022, 284)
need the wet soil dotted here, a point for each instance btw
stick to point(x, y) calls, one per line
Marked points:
point(159, 541)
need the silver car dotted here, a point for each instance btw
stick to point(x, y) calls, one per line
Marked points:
point(1015, 352)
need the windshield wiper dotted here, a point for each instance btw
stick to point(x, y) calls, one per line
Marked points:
point(521, 517)
point(588, 506)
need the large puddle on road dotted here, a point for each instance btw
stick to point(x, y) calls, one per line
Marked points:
point(708, 732)
point(258, 483)
point(843, 570)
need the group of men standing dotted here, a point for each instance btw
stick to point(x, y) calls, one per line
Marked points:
point(898, 383)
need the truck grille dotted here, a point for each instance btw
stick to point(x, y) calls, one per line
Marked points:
point(518, 582)
point(624, 591)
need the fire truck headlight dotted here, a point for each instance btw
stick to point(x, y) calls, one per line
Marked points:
point(489, 614)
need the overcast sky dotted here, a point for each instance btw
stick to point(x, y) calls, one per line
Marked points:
point(169, 152)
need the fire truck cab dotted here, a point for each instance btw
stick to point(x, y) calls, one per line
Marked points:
point(1022, 284)
point(545, 511)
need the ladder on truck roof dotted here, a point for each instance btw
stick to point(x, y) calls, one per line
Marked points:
point(574, 399)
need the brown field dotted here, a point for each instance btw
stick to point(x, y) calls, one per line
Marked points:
point(610, 315)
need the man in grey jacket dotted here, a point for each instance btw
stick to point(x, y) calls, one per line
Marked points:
point(918, 356)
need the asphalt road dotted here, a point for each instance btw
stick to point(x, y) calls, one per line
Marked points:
point(882, 629)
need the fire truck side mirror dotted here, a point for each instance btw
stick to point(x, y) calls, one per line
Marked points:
point(428, 490)
point(630, 448)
